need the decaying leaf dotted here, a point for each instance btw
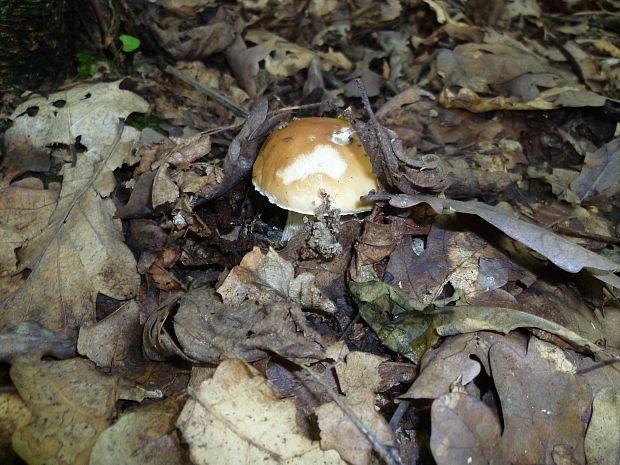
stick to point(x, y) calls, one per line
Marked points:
point(114, 342)
point(14, 414)
point(543, 405)
point(359, 379)
point(187, 41)
point(72, 403)
point(235, 417)
point(471, 262)
point(464, 318)
point(269, 277)
point(88, 113)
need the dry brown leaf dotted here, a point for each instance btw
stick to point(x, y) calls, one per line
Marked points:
point(115, 341)
point(79, 254)
point(235, 417)
point(543, 402)
point(268, 278)
point(164, 190)
point(88, 113)
point(72, 403)
point(340, 433)
point(187, 41)
point(477, 69)
point(600, 175)
point(454, 254)
point(145, 435)
point(464, 430)
point(457, 359)
point(244, 62)
point(286, 58)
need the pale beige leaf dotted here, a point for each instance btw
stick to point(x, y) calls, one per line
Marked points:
point(73, 247)
point(90, 112)
point(72, 402)
point(143, 436)
point(235, 417)
point(361, 371)
point(339, 432)
point(602, 442)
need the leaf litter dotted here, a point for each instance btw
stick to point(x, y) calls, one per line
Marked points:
point(151, 313)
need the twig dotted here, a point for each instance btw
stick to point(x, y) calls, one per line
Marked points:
point(389, 454)
point(239, 110)
point(403, 405)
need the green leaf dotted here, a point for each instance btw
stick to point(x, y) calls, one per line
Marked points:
point(130, 43)
point(401, 323)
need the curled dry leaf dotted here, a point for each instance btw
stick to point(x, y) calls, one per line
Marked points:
point(207, 330)
point(465, 318)
point(269, 277)
point(235, 417)
point(242, 151)
point(403, 324)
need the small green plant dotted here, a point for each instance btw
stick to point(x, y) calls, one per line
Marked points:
point(141, 121)
point(85, 64)
point(130, 43)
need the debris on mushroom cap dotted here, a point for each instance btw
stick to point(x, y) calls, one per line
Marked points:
point(310, 156)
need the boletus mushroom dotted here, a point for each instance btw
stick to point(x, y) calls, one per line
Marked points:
point(308, 158)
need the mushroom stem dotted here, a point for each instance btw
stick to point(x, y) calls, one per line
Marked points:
point(294, 224)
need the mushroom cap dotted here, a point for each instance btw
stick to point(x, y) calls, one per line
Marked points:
point(310, 156)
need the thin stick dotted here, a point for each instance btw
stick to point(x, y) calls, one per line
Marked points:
point(239, 110)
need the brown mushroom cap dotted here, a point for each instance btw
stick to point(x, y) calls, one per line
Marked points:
point(310, 156)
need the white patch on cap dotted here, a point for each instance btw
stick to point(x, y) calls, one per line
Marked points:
point(323, 159)
point(342, 137)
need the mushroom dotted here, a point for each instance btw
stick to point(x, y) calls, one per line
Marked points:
point(310, 157)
